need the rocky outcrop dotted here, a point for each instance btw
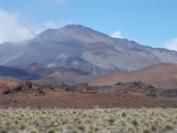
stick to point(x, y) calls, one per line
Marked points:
point(27, 87)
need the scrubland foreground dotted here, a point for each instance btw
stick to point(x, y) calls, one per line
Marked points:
point(155, 120)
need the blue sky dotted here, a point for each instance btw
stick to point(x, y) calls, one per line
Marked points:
point(149, 22)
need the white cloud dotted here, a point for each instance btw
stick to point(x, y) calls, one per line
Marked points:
point(172, 44)
point(12, 30)
point(117, 34)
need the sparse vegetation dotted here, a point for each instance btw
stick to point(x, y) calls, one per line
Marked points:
point(90, 121)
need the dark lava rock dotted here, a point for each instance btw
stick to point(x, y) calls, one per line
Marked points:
point(126, 87)
point(169, 93)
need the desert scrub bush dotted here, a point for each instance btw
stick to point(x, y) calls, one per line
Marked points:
point(52, 131)
point(146, 131)
point(33, 131)
point(156, 120)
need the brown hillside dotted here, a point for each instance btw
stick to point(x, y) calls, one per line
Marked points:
point(160, 75)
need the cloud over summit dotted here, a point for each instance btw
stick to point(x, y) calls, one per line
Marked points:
point(12, 30)
point(117, 34)
point(172, 44)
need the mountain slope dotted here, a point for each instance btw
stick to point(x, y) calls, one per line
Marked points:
point(16, 73)
point(83, 49)
point(160, 75)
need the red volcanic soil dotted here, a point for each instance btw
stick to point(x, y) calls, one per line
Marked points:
point(160, 75)
point(85, 100)
point(22, 94)
point(108, 79)
point(7, 84)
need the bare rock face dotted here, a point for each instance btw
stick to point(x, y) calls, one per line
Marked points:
point(82, 87)
point(25, 87)
point(27, 84)
point(12, 91)
point(169, 93)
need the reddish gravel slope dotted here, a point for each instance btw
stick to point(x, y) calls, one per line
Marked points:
point(160, 75)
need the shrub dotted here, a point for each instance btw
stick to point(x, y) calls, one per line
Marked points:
point(146, 131)
point(93, 120)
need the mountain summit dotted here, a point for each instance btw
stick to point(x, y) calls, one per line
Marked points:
point(84, 49)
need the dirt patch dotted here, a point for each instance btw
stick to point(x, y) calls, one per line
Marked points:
point(85, 100)
point(135, 94)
